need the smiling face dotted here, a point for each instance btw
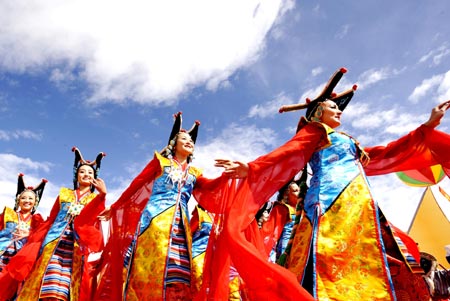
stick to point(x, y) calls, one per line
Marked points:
point(331, 115)
point(85, 175)
point(184, 145)
point(26, 201)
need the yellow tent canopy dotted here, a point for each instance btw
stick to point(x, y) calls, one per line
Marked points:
point(430, 227)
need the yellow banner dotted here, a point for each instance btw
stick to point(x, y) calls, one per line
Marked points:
point(430, 228)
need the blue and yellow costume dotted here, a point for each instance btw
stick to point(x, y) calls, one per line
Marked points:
point(163, 227)
point(150, 243)
point(10, 221)
point(340, 238)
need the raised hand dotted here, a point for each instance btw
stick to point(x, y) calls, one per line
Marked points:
point(437, 113)
point(233, 169)
point(100, 185)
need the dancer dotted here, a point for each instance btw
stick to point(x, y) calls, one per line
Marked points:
point(54, 264)
point(278, 227)
point(15, 224)
point(337, 252)
point(149, 253)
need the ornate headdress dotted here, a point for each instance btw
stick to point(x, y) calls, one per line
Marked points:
point(79, 161)
point(169, 149)
point(327, 93)
point(38, 191)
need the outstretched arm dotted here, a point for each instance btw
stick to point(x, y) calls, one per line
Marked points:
point(421, 148)
point(437, 114)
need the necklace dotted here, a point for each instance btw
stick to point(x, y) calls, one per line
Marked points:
point(76, 207)
point(24, 222)
point(178, 174)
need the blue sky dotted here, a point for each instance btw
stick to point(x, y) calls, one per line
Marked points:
point(108, 75)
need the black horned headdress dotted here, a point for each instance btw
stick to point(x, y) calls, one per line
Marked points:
point(327, 93)
point(37, 190)
point(177, 128)
point(80, 161)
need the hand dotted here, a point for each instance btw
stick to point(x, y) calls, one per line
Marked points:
point(105, 215)
point(233, 169)
point(19, 234)
point(437, 113)
point(100, 185)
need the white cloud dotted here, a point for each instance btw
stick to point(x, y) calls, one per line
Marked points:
point(387, 124)
point(343, 31)
point(316, 71)
point(270, 108)
point(436, 55)
point(443, 91)
point(242, 143)
point(147, 51)
point(425, 88)
point(19, 134)
point(373, 76)
point(397, 200)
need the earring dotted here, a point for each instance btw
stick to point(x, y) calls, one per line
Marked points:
point(317, 114)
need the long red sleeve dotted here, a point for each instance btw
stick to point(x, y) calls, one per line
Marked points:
point(420, 148)
point(236, 243)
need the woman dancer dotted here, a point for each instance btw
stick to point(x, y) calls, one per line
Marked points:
point(149, 253)
point(15, 224)
point(337, 252)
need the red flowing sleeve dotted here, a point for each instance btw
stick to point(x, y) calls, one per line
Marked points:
point(209, 193)
point(87, 225)
point(272, 228)
point(239, 237)
point(36, 220)
point(420, 148)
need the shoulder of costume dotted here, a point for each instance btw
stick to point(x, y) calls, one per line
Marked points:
point(278, 205)
point(65, 190)
point(322, 126)
point(9, 215)
point(303, 122)
point(66, 194)
point(195, 171)
point(292, 209)
point(163, 161)
point(325, 129)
